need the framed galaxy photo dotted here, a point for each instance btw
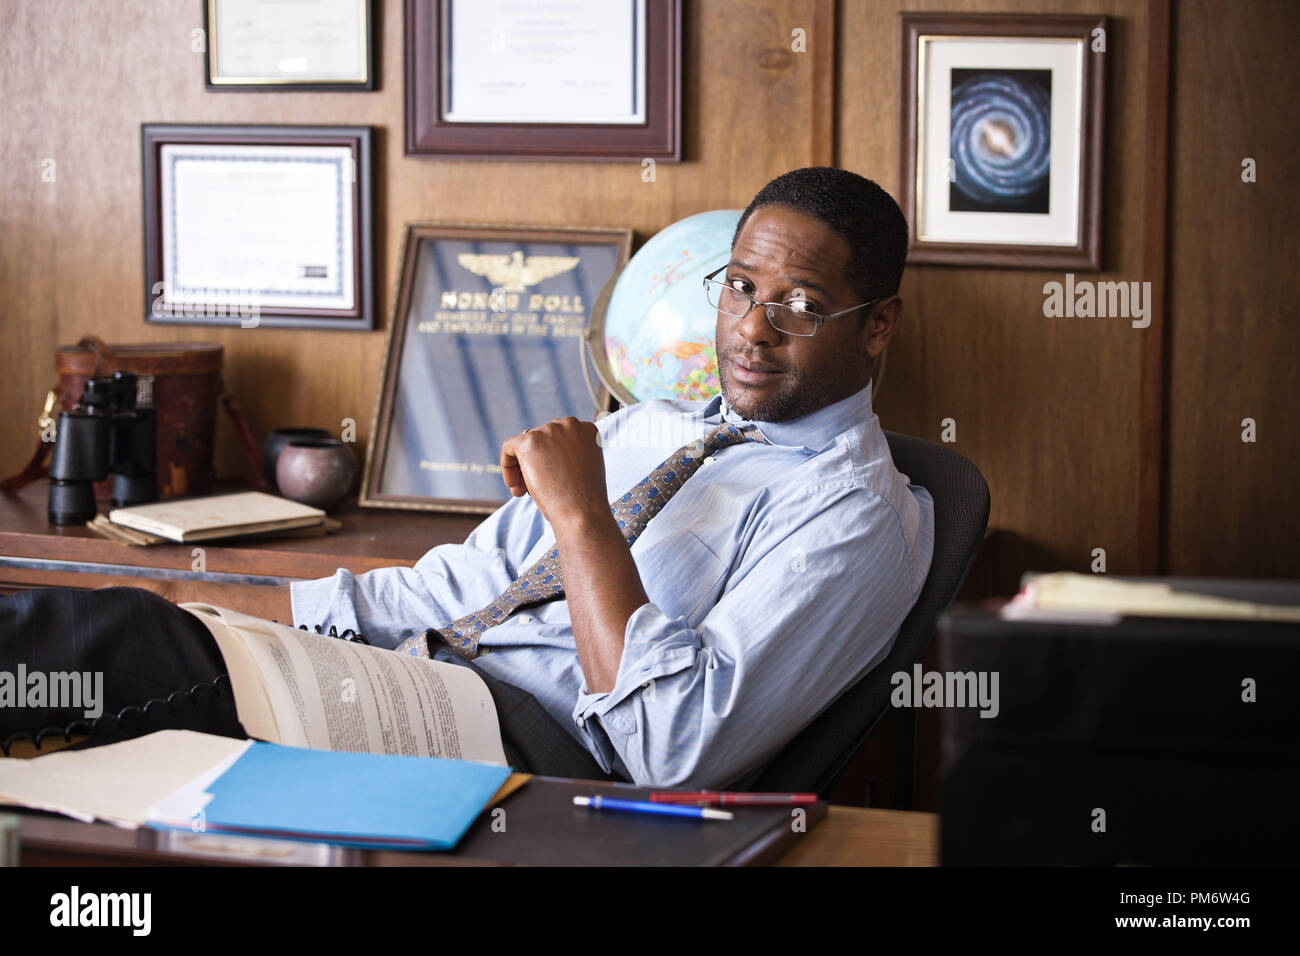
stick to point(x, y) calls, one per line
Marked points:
point(1002, 121)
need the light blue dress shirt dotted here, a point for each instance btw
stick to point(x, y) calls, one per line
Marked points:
point(778, 575)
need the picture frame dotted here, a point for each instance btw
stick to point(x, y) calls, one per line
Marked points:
point(456, 103)
point(254, 47)
point(1002, 120)
point(486, 340)
point(258, 226)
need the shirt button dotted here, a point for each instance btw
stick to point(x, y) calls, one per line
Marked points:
point(708, 460)
point(524, 619)
point(581, 722)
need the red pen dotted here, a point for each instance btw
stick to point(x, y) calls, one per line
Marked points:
point(723, 798)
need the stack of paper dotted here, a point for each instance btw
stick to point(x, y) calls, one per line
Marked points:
point(180, 779)
point(1096, 598)
point(124, 535)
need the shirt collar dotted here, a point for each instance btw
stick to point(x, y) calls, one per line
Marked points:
point(812, 432)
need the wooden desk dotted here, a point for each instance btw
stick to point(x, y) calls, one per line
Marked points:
point(34, 553)
point(858, 836)
point(847, 837)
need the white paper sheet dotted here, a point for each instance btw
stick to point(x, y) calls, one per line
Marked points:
point(119, 783)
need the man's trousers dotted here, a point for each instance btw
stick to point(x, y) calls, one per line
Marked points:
point(148, 649)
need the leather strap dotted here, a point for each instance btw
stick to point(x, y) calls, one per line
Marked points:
point(35, 468)
point(102, 352)
point(231, 405)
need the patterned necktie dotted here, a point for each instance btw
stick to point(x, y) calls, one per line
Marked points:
point(544, 581)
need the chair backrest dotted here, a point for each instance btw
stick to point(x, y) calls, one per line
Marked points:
point(816, 758)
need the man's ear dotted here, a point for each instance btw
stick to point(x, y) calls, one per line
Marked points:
point(881, 324)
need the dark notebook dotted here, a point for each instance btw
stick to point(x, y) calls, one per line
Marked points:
point(543, 827)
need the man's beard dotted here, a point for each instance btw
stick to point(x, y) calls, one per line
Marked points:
point(794, 399)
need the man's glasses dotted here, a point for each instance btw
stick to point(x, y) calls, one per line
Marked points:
point(792, 318)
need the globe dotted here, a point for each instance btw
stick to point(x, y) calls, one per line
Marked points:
point(654, 338)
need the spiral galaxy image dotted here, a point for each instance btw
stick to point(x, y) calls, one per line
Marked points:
point(1001, 140)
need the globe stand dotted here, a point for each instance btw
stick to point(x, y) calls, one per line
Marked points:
point(592, 353)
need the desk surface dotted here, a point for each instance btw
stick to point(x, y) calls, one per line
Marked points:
point(848, 836)
point(34, 552)
point(835, 836)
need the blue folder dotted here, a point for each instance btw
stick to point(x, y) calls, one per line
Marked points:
point(375, 801)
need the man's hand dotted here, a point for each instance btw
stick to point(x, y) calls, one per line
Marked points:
point(560, 464)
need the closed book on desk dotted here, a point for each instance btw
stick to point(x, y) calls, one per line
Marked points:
point(217, 516)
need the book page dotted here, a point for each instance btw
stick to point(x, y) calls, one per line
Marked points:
point(304, 689)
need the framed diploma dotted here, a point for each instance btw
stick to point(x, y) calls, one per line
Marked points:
point(258, 225)
point(486, 341)
point(287, 45)
point(569, 79)
point(1002, 119)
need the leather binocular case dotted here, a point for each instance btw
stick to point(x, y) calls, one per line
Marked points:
point(186, 386)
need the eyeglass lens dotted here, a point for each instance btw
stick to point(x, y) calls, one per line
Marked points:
point(735, 303)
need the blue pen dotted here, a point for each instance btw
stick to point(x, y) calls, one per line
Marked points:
point(641, 806)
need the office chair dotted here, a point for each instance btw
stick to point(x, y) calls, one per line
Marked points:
point(815, 760)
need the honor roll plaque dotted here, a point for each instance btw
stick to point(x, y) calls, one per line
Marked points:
point(486, 341)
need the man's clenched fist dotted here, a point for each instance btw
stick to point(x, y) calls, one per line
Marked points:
point(561, 465)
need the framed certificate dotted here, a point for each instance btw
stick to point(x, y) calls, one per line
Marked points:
point(486, 341)
point(1002, 139)
point(258, 225)
point(554, 79)
point(286, 45)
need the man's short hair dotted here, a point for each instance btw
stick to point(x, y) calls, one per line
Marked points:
point(855, 208)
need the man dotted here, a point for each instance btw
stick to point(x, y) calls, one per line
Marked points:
point(687, 649)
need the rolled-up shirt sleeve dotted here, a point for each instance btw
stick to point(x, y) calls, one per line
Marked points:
point(795, 626)
point(388, 605)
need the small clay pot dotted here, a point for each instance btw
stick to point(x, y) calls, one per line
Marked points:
point(316, 471)
point(276, 442)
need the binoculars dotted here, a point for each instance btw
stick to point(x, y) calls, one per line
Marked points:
point(113, 428)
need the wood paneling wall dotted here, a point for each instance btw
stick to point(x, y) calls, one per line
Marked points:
point(1048, 408)
point(1234, 307)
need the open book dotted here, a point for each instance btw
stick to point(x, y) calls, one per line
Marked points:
point(303, 689)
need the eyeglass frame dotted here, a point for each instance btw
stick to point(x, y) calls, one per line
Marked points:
point(820, 320)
